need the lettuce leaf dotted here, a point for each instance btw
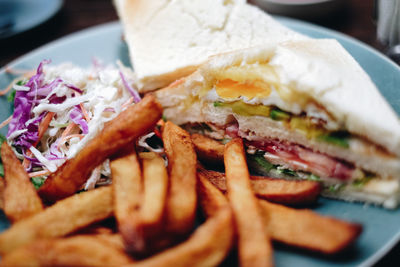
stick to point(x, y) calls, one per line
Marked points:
point(37, 182)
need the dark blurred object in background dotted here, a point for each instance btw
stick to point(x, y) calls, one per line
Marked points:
point(17, 16)
point(74, 15)
point(302, 9)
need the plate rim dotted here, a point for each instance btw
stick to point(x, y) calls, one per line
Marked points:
point(373, 258)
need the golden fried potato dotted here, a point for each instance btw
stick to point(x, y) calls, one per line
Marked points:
point(64, 217)
point(300, 228)
point(115, 240)
point(254, 246)
point(307, 229)
point(207, 246)
point(211, 199)
point(155, 180)
point(20, 197)
point(295, 192)
point(2, 187)
point(131, 123)
point(127, 194)
point(182, 199)
point(208, 149)
point(73, 251)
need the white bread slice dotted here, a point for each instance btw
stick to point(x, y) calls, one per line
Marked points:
point(327, 74)
point(168, 39)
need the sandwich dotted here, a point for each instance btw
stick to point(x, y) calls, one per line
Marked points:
point(305, 110)
point(168, 40)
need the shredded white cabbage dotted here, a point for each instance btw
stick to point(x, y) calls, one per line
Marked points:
point(142, 143)
point(49, 165)
point(16, 133)
point(17, 87)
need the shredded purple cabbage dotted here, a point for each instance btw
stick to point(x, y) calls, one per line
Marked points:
point(134, 93)
point(54, 99)
point(55, 152)
point(45, 90)
point(23, 104)
point(33, 162)
point(77, 117)
point(22, 119)
point(73, 87)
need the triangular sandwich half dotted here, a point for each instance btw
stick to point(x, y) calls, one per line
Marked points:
point(169, 39)
point(305, 109)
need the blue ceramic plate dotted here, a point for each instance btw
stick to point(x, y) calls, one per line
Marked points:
point(381, 227)
point(17, 16)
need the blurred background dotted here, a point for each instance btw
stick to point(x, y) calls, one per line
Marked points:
point(352, 17)
point(356, 18)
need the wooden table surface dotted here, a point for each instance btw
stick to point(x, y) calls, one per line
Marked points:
point(356, 20)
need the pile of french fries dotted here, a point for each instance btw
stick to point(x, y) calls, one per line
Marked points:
point(148, 216)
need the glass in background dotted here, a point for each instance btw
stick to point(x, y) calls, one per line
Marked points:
point(388, 26)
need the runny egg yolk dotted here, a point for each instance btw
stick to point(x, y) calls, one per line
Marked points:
point(230, 89)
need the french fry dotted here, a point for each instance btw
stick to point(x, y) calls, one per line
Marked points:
point(211, 199)
point(254, 246)
point(133, 122)
point(207, 149)
point(94, 229)
point(64, 217)
point(207, 246)
point(296, 192)
point(127, 190)
point(20, 197)
point(300, 228)
point(72, 251)
point(115, 240)
point(181, 200)
point(2, 187)
point(155, 180)
point(307, 229)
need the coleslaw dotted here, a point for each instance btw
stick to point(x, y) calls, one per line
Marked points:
point(60, 108)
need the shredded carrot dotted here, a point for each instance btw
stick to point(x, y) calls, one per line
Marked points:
point(25, 162)
point(7, 121)
point(127, 103)
point(16, 71)
point(66, 132)
point(85, 113)
point(39, 173)
point(5, 91)
point(44, 124)
point(10, 86)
